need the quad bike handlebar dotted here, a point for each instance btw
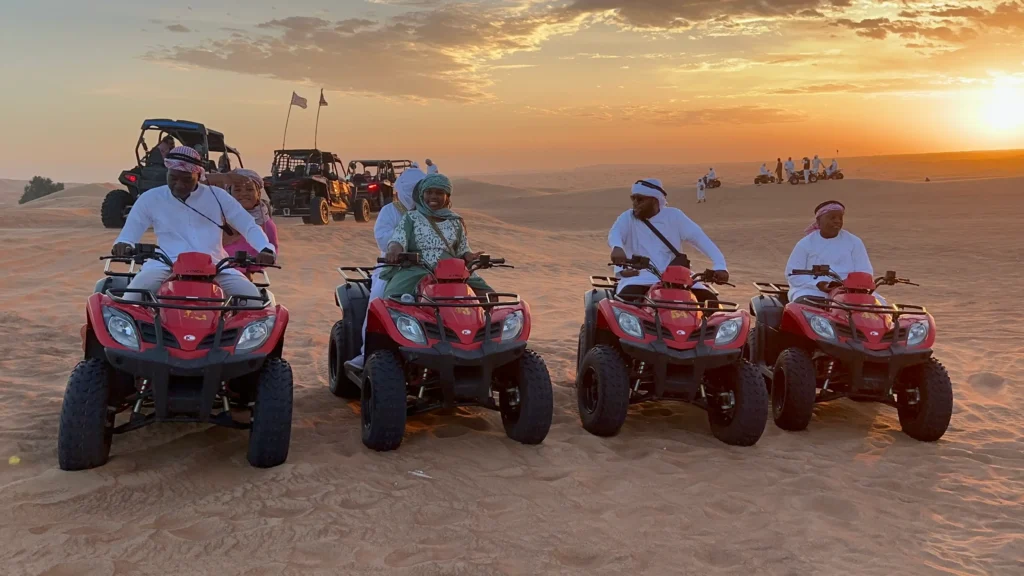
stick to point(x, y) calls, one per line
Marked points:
point(823, 270)
point(643, 263)
point(140, 253)
point(406, 259)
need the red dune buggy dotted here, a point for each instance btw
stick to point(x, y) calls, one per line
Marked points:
point(439, 348)
point(848, 344)
point(667, 346)
point(183, 354)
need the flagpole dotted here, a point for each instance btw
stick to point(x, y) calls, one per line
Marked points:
point(287, 118)
point(319, 105)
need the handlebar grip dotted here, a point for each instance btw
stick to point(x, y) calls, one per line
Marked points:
point(497, 261)
point(382, 260)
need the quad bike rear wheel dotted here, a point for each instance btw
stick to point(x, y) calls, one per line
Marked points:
point(925, 401)
point(383, 402)
point(362, 210)
point(794, 179)
point(527, 406)
point(602, 391)
point(794, 390)
point(737, 402)
point(86, 427)
point(337, 355)
point(812, 178)
point(271, 432)
point(320, 212)
point(115, 208)
point(838, 176)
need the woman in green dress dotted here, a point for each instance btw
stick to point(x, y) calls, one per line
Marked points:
point(433, 231)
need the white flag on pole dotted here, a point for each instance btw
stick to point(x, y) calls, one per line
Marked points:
point(298, 101)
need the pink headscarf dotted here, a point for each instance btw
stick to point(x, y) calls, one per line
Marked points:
point(261, 211)
point(822, 209)
point(184, 159)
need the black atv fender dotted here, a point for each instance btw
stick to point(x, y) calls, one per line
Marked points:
point(591, 300)
point(353, 298)
point(768, 312)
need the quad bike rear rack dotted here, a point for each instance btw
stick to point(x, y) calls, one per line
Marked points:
point(364, 277)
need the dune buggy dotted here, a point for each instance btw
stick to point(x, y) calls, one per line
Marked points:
point(373, 181)
point(848, 344)
point(311, 184)
point(439, 348)
point(149, 173)
point(185, 353)
point(666, 345)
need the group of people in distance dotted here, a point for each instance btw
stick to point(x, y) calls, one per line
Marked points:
point(224, 213)
point(809, 164)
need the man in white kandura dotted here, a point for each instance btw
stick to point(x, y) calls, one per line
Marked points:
point(825, 242)
point(633, 234)
point(383, 229)
point(832, 168)
point(187, 216)
point(431, 167)
point(790, 167)
point(700, 191)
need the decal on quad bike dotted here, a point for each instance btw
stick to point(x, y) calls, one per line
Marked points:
point(195, 316)
point(464, 311)
point(677, 314)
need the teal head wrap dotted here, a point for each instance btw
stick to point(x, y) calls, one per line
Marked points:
point(441, 182)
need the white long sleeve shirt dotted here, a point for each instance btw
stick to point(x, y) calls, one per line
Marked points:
point(833, 166)
point(789, 166)
point(712, 175)
point(636, 239)
point(816, 164)
point(179, 228)
point(764, 170)
point(844, 254)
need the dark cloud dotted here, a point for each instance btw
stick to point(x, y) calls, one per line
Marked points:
point(880, 28)
point(178, 28)
point(675, 14)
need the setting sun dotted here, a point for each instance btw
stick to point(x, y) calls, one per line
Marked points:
point(1004, 107)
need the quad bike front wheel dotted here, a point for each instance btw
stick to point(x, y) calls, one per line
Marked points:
point(737, 402)
point(794, 389)
point(115, 208)
point(527, 406)
point(337, 355)
point(812, 178)
point(925, 401)
point(271, 432)
point(86, 427)
point(383, 402)
point(602, 391)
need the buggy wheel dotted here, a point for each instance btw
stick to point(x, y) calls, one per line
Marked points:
point(602, 391)
point(86, 424)
point(383, 402)
point(793, 390)
point(320, 212)
point(362, 210)
point(339, 216)
point(271, 432)
point(339, 383)
point(527, 407)
point(738, 404)
point(115, 208)
point(925, 401)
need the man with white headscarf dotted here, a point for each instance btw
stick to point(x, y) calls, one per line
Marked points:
point(826, 242)
point(387, 220)
point(633, 234)
point(700, 191)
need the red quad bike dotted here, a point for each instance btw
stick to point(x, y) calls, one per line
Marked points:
point(440, 348)
point(177, 356)
point(667, 346)
point(849, 345)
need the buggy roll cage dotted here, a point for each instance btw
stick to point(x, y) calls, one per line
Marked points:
point(189, 134)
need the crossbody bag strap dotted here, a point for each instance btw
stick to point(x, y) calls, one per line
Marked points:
point(680, 258)
point(444, 240)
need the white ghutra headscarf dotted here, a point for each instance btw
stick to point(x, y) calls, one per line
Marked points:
point(650, 187)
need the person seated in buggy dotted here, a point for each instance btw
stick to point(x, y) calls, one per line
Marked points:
point(187, 216)
point(433, 231)
point(825, 242)
point(654, 230)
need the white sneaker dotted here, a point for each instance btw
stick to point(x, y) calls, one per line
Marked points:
point(356, 362)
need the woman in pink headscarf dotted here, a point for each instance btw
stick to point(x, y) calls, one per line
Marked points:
point(246, 186)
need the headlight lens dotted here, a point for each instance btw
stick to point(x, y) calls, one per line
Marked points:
point(821, 326)
point(728, 331)
point(630, 324)
point(409, 327)
point(121, 328)
point(255, 335)
point(918, 333)
point(512, 327)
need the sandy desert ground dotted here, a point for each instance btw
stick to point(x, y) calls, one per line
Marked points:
point(851, 495)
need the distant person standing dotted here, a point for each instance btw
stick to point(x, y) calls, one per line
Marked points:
point(156, 156)
point(700, 191)
point(817, 164)
point(790, 167)
point(431, 167)
point(807, 170)
point(778, 171)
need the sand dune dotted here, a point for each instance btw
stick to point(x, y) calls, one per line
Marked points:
point(850, 495)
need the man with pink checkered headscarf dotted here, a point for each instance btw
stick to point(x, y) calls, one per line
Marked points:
point(825, 242)
point(188, 216)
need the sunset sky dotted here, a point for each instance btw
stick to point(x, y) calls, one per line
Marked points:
point(511, 84)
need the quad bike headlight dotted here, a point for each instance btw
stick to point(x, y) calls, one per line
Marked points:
point(409, 327)
point(917, 334)
point(255, 335)
point(512, 327)
point(629, 324)
point(728, 331)
point(121, 328)
point(821, 326)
